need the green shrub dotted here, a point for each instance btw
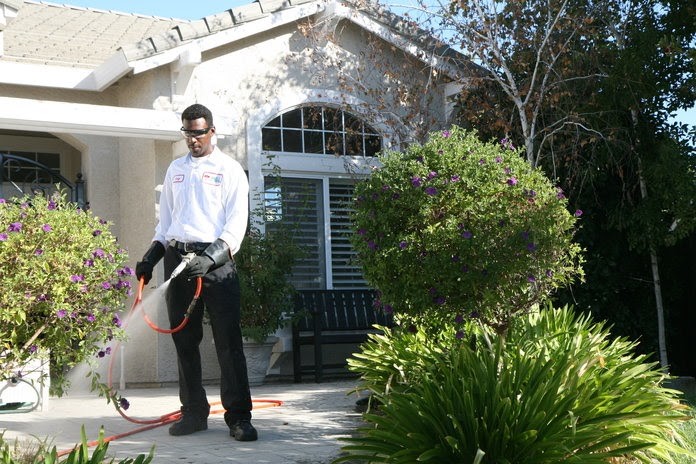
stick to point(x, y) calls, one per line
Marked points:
point(458, 227)
point(556, 389)
point(79, 455)
point(63, 282)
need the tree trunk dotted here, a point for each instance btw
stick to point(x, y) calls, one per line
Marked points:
point(657, 286)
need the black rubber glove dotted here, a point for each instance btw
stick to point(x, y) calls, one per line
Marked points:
point(214, 256)
point(144, 268)
point(197, 267)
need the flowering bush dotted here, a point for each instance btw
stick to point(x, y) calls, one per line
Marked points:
point(459, 229)
point(63, 282)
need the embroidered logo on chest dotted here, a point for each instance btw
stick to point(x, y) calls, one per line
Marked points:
point(212, 178)
point(178, 178)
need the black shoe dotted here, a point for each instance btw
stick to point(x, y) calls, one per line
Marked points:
point(188, 424)
point(242, 430)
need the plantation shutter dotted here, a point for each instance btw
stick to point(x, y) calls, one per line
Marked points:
point(301, 206)
point(346, 272)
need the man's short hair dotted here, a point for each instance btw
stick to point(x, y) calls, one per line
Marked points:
point(196, 111)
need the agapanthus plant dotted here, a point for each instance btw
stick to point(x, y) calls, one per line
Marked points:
point(458, 229)
point(64, 281)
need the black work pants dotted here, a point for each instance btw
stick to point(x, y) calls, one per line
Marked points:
point(220, 297)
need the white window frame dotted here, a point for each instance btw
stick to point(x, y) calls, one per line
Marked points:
point(308, 166)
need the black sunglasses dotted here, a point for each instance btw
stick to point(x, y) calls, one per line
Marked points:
point(195, 133)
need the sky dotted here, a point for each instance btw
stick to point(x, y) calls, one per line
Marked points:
point(186, 9)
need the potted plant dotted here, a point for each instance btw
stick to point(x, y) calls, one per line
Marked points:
point(264, 263)
point(64, 281)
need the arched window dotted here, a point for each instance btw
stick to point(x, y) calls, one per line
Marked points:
point(317, 203)
point(320, 130)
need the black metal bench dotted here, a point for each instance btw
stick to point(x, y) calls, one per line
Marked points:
point(330, 317)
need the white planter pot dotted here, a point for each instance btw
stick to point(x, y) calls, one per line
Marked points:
point(258, 358)
point(29, 389)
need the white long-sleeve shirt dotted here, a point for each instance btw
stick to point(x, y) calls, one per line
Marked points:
point(204, 199)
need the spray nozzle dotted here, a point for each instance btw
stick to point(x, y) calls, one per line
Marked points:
point(184, 262)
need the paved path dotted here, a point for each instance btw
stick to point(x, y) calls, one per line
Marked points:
point(305, 429)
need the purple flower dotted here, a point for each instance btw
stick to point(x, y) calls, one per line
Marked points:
point(531, 247)
point(559, 194)
point(41, 297)
point(2, 201)
point(458, 319)
point(32, 349)
point(102, 221)
point(38, 252)
point(123, 284)
point(77, 277)
point(416, 181)
point(91, 317)
point(106, 285)
point(98, 253)
point(419, 159)
point(123, 403)
point(362, 232)
point(508, 171)
point(388, 309)
point(96, 232)
point(446, 133)
point(498, 159)
point(116, 320)
point(15, 227)
point(439, 300)
point(101, 354)
point(61, 313)
point(371, 245)
point(126, 271)
point(459, 335)
point(467, 234)
point(482, 161)
point(549, 273)
point(577, 213)
point(512, 181)
point(3, 237)
point(531, 278)
point(454, 178)
point(403, 244)
point(52, 205)
point(432, 175)
point(432, 191)
point(89, 262)
point(46, 227)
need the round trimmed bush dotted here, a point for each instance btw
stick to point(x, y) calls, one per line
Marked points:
point(458, 228)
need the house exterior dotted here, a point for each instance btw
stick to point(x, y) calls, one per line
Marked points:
point(99, 94)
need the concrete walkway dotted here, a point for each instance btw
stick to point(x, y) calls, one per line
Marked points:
point(305, 429)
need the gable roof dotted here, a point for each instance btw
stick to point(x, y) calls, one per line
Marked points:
point(64, 35)
point(91, 49)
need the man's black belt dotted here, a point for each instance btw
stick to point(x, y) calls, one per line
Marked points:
point(189, 247)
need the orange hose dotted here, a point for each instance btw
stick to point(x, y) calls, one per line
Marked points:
point(173, 416)
point(153, 326)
